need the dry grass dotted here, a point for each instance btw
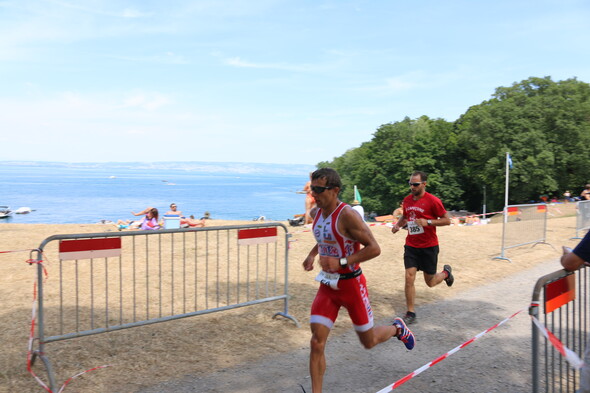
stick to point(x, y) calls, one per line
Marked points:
point(199, 345)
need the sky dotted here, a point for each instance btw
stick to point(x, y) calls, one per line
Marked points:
point(269, 81)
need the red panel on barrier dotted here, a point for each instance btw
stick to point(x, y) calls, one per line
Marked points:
point(560, 292)
point(89, 244)
point(256, 232)
point(541, 209)
point(512, 211)
point(257, 235)
point(89, 248)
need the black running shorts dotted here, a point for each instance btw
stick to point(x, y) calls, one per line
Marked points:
point(424, 259)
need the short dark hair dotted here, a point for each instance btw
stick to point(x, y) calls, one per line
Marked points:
point(423, 175)
point(332, 177)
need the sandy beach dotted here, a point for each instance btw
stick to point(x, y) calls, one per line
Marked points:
point(237, 343)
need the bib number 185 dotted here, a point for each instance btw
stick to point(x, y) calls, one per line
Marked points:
point(414, 228)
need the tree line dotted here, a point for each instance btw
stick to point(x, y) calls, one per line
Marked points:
point(543, 124)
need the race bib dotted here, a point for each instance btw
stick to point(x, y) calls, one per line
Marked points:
point(415, 229)
point(329, 279)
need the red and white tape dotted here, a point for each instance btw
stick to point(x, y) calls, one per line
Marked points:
point(376, 224)
point(569, 355)
point(10, 251)
point(32, 339)
point(441, 358)
point(478, 215)
point(390, 224)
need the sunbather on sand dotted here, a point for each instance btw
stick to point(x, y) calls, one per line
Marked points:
point(192, 222)
point(149, 222)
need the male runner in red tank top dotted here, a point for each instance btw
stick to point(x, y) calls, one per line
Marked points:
point(343, 242)
point(422, 213)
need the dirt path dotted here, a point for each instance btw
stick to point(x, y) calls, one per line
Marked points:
point(500, 361)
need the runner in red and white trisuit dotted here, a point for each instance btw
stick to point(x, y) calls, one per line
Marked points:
point(351, 292)
point(343, 242)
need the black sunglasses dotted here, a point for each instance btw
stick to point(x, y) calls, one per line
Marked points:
point(320, 189)
point(415, 184)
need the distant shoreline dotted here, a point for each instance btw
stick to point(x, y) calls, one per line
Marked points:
point(189, 166)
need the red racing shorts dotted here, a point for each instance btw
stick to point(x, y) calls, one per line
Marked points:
point(353, 295)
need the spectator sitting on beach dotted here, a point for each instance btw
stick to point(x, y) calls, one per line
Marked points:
point(150, 221)
point(192, 222)
point(173, 211)
point(206, 216)
point(585, 195)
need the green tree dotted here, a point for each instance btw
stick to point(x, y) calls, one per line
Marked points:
point(381, 167)
point(545, 125)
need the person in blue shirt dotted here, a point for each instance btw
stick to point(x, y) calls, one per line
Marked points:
point(573, 260)
point(580, 256)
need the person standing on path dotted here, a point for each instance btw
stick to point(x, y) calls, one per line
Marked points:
point(309, 202)
point(422, 213)
point(340, 232)
point(573, 260)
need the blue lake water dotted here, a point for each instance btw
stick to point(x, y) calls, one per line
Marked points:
point(67, 193)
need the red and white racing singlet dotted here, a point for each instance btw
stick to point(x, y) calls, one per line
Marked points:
point(351, 293)
point(330, 241)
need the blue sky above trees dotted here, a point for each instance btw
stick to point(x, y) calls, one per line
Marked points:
point(261, 81)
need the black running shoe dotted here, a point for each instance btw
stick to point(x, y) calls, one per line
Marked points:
point(409, 318)
point(450, 279)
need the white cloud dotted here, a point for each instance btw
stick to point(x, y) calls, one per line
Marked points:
point(165, 58)
point(134, 13)
point(107, 9)
point(72, 126)
point(239, 62)
point(398, 84)
point(149, 101)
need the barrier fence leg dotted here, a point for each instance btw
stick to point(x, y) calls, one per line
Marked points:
point(503, 238)
point(41, 326)
point(286, 312)
point(534, 311)
point(285, 315)
point(50, 372)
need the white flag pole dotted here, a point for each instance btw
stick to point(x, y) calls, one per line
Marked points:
point(507, 179)
point(505, 208)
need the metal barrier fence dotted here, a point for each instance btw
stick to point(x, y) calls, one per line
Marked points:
point(560, 302)
point(103, 282)
point(582, 218)
point(523, 224)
